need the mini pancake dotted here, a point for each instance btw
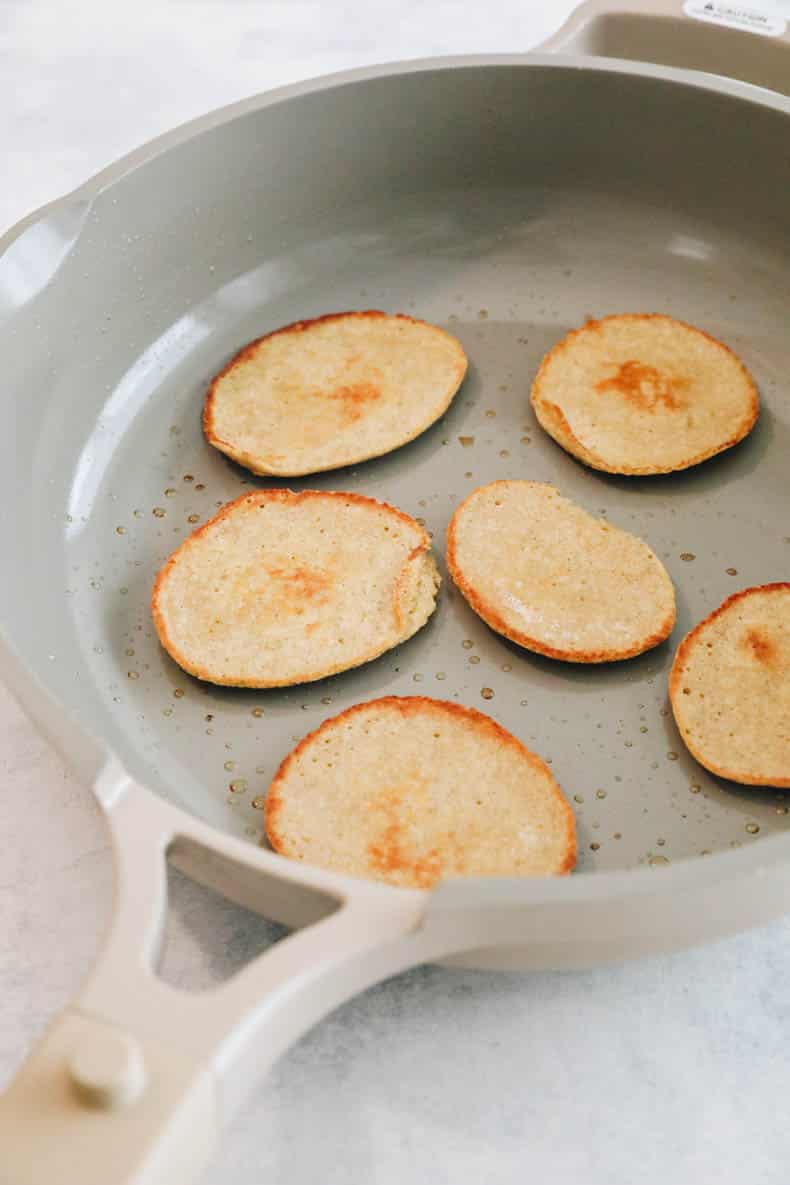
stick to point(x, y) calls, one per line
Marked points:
point(730, 688)
point(546, 574)
point(642, 393)
point(284, 588)
point(413, 790)
point(342, 388)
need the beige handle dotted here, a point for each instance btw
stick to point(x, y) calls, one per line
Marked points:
point(133, 1084)
point(749, 42)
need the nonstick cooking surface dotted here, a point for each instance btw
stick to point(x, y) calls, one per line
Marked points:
point(508, 271)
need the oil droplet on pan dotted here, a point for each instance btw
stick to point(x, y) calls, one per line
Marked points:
point(671, 756)
point(159, 512)
point(657, 861)
point(230, 766)
point(193, 518)
point(753, 828)
point(594, 846)
point(132, 675)
point(688, 556)
point(257, 712)
point(731, 571)
point(238, 787)
point(467, 643)
point(600, 794)
point(466, 441)
point(486, 693)
point(474, 659)
point(578, 798)
point(178, 693)
point(120, 530)
point(259, 802)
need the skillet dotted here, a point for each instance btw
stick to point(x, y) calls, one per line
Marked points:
point(505, 198)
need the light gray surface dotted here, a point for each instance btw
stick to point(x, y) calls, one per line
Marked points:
point(335, 1101)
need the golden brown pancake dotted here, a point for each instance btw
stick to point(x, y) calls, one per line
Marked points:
point(642, 393)
point(284, 588)
point(342, 388)
point(730, 688)
point(546, 574)
point(413, 790)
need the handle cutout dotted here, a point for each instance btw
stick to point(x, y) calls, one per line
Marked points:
point(206, 938)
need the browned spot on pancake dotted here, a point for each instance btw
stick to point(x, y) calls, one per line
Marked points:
point(760, 645)
point(644, 385)
point(354, 397)
point(308, 584)
point(394, 851)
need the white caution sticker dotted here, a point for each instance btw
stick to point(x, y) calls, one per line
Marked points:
point(751, 18)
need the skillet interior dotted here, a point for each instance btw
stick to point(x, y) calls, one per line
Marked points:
point(505, 201)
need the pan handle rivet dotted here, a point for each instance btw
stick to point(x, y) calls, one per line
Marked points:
point(107, 1070)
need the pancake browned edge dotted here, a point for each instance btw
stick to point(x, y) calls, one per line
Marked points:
point(412, 790)
point(243, 582)
point(739, 715)
point(652, 407)
point(334, 403)
point(662, 620)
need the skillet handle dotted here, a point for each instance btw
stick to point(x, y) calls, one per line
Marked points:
point(133, 1084)
point(749, 42)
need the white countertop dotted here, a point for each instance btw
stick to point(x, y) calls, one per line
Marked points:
point(672, 1070)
